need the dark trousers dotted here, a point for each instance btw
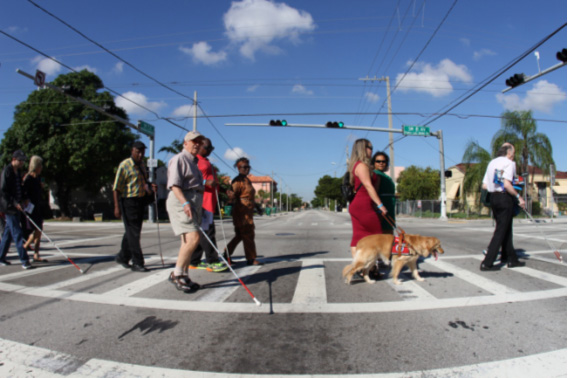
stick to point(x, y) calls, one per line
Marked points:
point(245, 234)
point(13, 231)
point(204, 246)
point(502, 205)
point(132, 216)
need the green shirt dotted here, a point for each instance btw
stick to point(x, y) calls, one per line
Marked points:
point(386, 190)
point(130, 180)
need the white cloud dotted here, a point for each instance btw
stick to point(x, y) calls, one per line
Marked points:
point(201, 53)
point(254, 25)
point(235, 153)
point(118, 68)
point(186, 111)
point(300, 89)
point(372, 97)
point(253, 88)
point(16, 30)
point(86, 67)
point(140, 99)
point(46, 65)
point(477, 55)
point(434, 80)
point(542, 97)
point(465, 41)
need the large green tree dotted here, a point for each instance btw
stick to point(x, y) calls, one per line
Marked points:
point(81, 147)
point(476, 159)
point(416, 183)
point(329, 187)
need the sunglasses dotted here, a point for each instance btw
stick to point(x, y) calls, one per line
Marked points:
point(370, 147)
point(380, 161)
point(244, 167)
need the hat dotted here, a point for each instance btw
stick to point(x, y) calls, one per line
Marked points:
point(139, 145)
point(192, 135)
point(19, 155)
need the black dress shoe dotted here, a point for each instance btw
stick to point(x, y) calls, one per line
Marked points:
point(485, 268)
point(515, 264)
point(123, 263)
point(139, 268)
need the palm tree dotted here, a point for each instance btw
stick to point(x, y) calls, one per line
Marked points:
point(476, 159)
point(519, 128)
point(175, 148)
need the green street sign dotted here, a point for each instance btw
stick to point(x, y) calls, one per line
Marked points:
point(416, 130)
point(146, 128)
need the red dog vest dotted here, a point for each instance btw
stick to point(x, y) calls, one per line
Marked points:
point(398, 246)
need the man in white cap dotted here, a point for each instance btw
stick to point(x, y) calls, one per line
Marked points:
point(184, 203)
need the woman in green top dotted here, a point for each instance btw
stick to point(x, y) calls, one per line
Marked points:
point(385, 189)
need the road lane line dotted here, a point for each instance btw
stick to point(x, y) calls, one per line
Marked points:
point(310, 287)
point(135, 287)
point(561, 281)
point(222, 293)
point(473, 278)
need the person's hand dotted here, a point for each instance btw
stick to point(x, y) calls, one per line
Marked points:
point(187, 210)
point(522, 203)
point(383, 210)
point(19, 207)
point(154, 188)
point(117, 213)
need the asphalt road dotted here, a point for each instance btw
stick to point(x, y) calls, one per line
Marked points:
point(109, 321)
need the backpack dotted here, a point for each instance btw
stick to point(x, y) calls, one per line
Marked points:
point(347, 189)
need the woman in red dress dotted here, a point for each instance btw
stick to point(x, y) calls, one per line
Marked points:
point(363, 216)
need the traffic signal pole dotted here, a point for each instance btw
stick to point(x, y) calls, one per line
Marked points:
point(536, 76)
point(438, 134)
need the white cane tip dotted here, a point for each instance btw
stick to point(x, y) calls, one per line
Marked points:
point(257, 302)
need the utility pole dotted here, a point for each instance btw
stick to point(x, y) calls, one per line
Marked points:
point(391, 139)
point(195, 111)
point(443, 214)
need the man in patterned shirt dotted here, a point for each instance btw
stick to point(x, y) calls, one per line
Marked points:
point(131, 192)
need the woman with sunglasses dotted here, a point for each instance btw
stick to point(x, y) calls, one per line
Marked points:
point(242, 195)
point(385, 189)
point(362, 209)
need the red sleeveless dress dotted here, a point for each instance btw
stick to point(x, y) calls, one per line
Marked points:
point(364, 219)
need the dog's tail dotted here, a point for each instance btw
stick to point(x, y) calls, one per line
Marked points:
point(347, 269)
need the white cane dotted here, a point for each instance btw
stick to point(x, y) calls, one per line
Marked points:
point(222, 227)
point(556, 253)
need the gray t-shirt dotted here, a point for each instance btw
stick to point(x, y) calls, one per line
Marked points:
point(184, 173)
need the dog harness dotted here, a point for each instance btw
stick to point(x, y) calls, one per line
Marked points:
point(399, 247)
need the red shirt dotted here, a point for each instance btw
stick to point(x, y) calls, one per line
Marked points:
point(209, 195)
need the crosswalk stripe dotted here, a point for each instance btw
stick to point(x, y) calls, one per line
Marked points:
point(220, 294)
point(411, 291)
point(310, 287)
point(473, 278)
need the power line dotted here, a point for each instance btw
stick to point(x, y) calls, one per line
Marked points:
point(131, 66)
point(494, 76)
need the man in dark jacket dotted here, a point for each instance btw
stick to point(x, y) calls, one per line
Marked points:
point(12, 197)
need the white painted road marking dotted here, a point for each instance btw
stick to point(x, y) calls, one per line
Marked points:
point(21, 360)
point(311, 283)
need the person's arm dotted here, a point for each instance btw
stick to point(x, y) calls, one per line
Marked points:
point(116, 197)
point(364, 174)
point(511, 190)
point(176, 190)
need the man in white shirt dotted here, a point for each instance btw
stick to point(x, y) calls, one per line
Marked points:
point(498, 180)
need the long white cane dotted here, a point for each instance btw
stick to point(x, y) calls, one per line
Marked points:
point(222, 227)
point(158, 226)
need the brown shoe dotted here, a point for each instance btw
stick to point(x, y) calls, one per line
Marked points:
point(183, 283)
point(254, 262)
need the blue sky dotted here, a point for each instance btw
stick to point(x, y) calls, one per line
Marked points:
point(255, 60)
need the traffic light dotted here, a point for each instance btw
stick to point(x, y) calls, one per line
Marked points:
point(515, 80)
point(278, 122)
point(334, 124)
point(561, 55)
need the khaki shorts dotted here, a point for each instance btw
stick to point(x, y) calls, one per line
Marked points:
point(181, 223)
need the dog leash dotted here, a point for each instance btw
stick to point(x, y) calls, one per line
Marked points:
point(400, 231)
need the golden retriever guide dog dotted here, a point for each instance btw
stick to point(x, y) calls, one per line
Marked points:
point(372, 247)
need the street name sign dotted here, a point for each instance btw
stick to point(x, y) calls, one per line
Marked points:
point(415, 130)
point(146, 128)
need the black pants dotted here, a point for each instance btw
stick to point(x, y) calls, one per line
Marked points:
point(204, 246)
point(502, 205)
point(132, 216)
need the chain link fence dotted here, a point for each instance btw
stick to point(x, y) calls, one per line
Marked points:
point(472, 210)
